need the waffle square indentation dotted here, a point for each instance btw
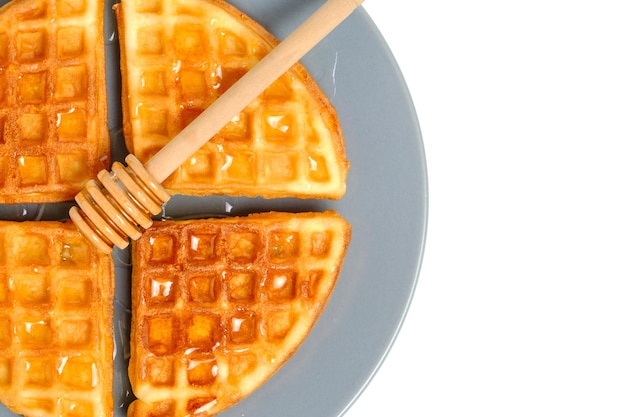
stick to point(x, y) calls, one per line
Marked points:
point(193, 84)
point(280, 126)
point(31, 288)
point(204, 331)
point(38, 372)
point(159, 371)
point(31, 45)
point(240, 364)
point(237, 129)
point(75, 292)
point(243, 327)
point(243, 246)
point(71, 83)
point(241, 286)
point(153, 120)
point(321, 243)
point(73, 167)
point(189, 40)
point(33, 170)
point(79, 373)
point(200, 166)
point(202, 246)
point(31, 88)
point(284, 245)
point(75, 252)
point(239, 166)
point(280, 166)
point(31, 250)
point(153, 82)
point(34, 333)
point(32, 127)
point(72, 124)
point(201, 370)
point(281, 284)
point(311, 283)
point(75, 333)
point(70, 42)
point(231, 44)
point(161, 331)
point(163, 249)
point(204, 289)
point(278, 324)
point(150, 41)
point(317, 168)
point(161, 289)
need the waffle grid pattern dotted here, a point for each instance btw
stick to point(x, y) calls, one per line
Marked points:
point(181, 56)
point(54, 288)
point(53, 135)
point(219, 305)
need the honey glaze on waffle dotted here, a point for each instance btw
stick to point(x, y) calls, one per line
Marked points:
point(53, 134)
point(220, 305)
point(178, 56)
point(56, 297)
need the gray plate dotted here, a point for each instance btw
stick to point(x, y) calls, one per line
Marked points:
point(386, 203)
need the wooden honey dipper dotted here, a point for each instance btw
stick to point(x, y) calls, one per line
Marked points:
point(121, 205)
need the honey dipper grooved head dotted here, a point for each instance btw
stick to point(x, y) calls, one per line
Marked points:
point(119, 207)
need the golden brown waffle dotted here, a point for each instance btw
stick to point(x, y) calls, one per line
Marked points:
point(56, 313)
point(53, 114)
point(178, 56)
point(220, 305)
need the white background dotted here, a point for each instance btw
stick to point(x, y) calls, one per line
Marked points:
point(520, 307)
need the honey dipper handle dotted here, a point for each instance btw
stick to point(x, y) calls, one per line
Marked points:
point(250, 86)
